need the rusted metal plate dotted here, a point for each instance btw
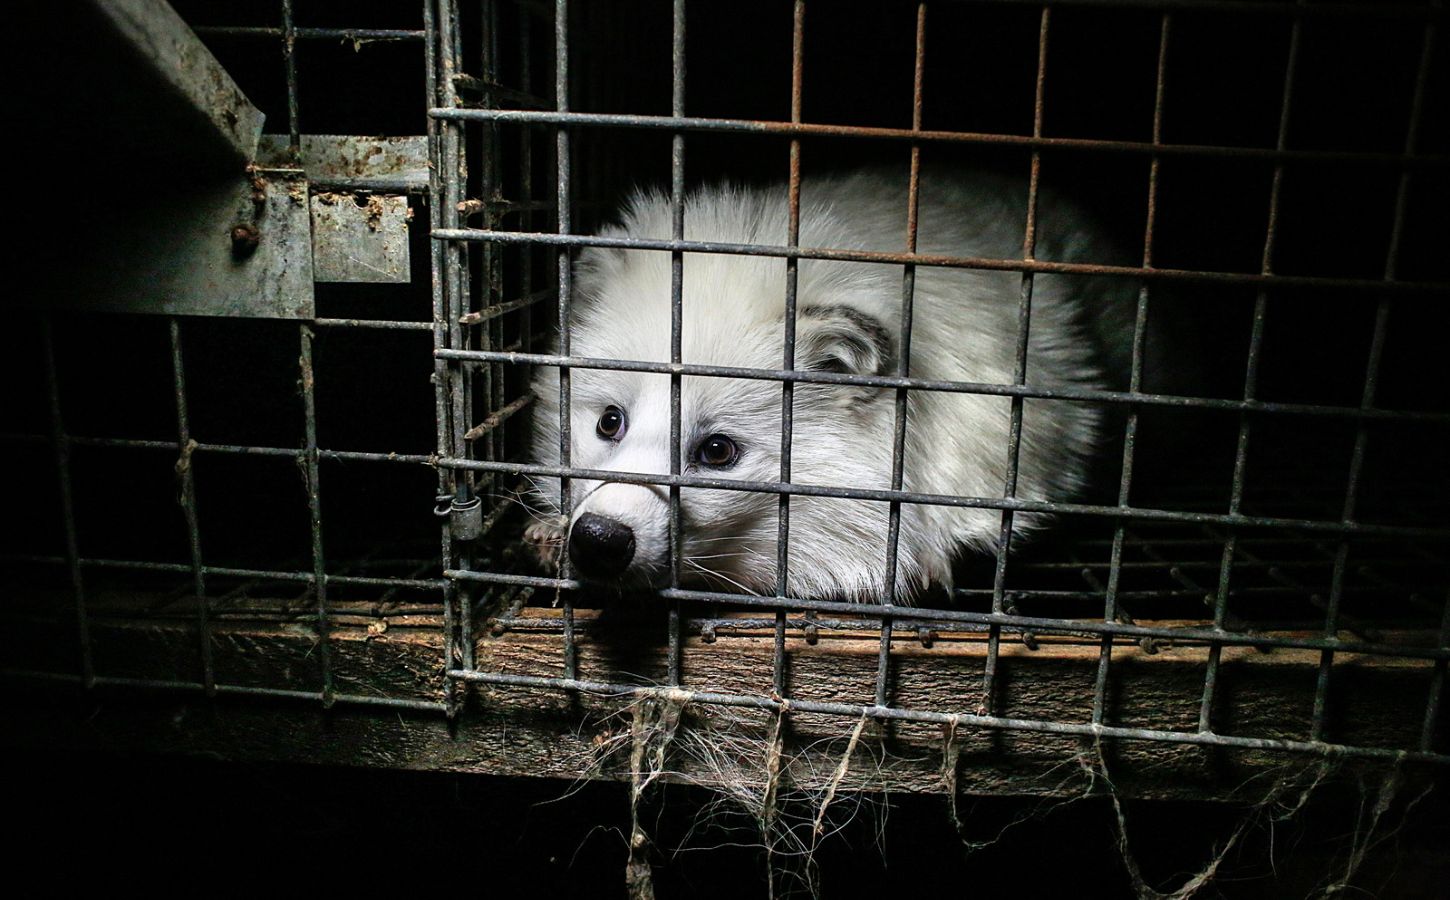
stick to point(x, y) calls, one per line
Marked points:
point(360, 237)
point(159, 175)
point(349, 162)
point(184, 81)
point(239, 248)
point(360, 217)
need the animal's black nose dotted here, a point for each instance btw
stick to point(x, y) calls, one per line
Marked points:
point(601, 547)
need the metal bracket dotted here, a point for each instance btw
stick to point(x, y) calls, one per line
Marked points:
point(188, 209)
point(155, 96)
point(155, 207)
point(360, 214)
point(345, 162)
point(239, 248)
point(360, 238)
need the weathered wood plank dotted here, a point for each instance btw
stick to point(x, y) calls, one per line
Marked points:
point(517, 731)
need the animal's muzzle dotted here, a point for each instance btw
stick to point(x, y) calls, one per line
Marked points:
point(601, 547)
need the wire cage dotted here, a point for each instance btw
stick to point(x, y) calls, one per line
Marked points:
point(1256, 562)
point(1278, 163)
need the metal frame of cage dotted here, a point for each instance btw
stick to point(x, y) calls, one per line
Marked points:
point(454, 117)
point(308, 456)
point(472, 351)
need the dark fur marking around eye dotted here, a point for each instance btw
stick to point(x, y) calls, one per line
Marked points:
point(860, 336)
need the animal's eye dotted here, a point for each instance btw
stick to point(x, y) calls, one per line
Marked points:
point(717, 450)
point(611, 424)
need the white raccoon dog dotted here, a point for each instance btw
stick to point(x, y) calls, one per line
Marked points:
point(964, 328)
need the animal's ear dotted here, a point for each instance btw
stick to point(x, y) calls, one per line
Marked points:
point(842, 339)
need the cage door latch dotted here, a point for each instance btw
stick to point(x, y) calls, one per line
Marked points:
point(465, 517)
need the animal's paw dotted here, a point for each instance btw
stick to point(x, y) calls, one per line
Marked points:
point(545, 539)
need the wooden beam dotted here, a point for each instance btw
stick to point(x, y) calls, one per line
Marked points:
point(398, 653)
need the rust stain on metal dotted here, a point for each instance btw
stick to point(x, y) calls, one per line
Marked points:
point(373, 212)
point(246, 237)
point(493, 420)
point(360, 236)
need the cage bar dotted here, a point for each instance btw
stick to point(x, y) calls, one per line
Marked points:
point(314, 509)
point(1111, 610)
point(453, 159)
point(443, 373)
point(1024, 319)
point(1148, 514)
point(564, 172)
point(289, 61)
point(965, 387)
point(677, 288)
point(1008, 621)
point(999, 723)
point(1371, 376)
point(1251, 378)
point(930, 136)
point(188, 505)
point(353, 35)
point(903, 363)
point(60, 442)
point(787, 388)
point(1416, 289)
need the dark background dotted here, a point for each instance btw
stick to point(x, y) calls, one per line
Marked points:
point(168, 816)
point(186, 826)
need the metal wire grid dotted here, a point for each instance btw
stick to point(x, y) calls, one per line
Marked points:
point(462, 350)
point(316, 577)
point(1225, 528)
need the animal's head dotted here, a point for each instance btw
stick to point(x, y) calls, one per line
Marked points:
point(733, 314)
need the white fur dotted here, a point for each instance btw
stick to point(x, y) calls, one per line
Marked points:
point(964, 329)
